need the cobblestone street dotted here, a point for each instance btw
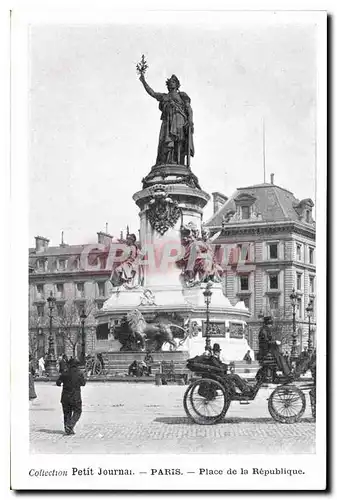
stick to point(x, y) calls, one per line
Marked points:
point(143, 418)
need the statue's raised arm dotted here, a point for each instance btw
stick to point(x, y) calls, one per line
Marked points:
point(157, 95)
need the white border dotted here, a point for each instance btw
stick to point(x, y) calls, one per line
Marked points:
point(21, 460)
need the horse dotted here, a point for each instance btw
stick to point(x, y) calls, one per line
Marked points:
point(158, 332)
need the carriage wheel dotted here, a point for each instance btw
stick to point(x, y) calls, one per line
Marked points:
point(312, 395)
point(88, 366)
point(286, 404)
point(98, 367)
point(206, 401)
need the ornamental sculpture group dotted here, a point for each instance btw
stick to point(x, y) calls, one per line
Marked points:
point(197, 264)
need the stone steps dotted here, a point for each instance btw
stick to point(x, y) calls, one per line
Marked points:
point(117, 363)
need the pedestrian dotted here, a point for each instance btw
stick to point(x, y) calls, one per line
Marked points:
point(148, 360)
point(101, 360)
point(42, 368)
point(63, 364)
point(31, 373)
point(247, 357)
point(71, 399)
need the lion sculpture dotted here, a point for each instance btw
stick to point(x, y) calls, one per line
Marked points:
point(134, 330)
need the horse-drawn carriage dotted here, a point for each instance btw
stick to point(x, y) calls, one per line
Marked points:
point(207, 399)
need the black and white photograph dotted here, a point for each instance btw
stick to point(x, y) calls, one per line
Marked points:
point(172, 182)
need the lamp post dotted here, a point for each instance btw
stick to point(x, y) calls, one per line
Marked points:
point(83, 317)
point(208, 295)
point(309, 310)
point(294, 298)
point(51, 369)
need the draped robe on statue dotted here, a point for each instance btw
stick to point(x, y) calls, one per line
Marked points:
point(175, 137)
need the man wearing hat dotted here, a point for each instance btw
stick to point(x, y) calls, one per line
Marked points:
point(216, 353)
point(71, 399)
point(238, 381)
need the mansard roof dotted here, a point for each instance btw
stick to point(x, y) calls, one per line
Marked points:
point(272, 203)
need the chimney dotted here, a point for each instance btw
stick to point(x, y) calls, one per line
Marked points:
point(41, 243)
point(219, 200)
point(104, 238)
point(271, 178)
point(62, 244)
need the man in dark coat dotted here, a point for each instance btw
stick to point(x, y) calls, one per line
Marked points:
point(71, 399)
point(63, 364)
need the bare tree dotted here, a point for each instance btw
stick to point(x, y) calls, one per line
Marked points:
point(69, 323)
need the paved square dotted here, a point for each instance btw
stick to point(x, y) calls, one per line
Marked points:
point(143, 418)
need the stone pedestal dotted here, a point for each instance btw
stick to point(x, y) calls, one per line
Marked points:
point(171, 197)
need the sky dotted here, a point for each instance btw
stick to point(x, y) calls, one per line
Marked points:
point(94, 130)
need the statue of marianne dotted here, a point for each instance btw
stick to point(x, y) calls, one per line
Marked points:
point(176, 133)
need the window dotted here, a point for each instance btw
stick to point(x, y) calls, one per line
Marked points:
point(40, 264)
point(40, 311)
point(243, 252)
point(40, 289)
point(273, 250)
point(311, 255)
point(299, 307)
point(60, 290)
point(273, 303)
point(80, 306)
point(245, 212)
point(76, 264)
point(101, 288)
point(311, 284)
point(62, 264)
point(244, 282)
point(299, 281)
point(273, 281)
point(80, 289)
point(299, 252)
point(60, 309)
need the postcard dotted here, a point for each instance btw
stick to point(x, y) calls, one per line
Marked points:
point(169, 183)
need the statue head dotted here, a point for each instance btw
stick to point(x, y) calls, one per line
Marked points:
point(172, 83)
point(205, 235)
point(131, 239)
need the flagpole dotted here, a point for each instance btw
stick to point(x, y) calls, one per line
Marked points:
point(264, 150)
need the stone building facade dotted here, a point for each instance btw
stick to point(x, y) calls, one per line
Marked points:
point(266, 239)
point(78, 278)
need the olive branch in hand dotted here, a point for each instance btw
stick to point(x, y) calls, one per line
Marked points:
point(142, 66)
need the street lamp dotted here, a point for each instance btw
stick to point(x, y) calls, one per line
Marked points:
point(309, 310)
point(294, 299)
point(51, 369)
point(83, 317)
point(207, 294)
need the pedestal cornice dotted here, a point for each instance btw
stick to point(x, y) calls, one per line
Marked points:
point(180, 191)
